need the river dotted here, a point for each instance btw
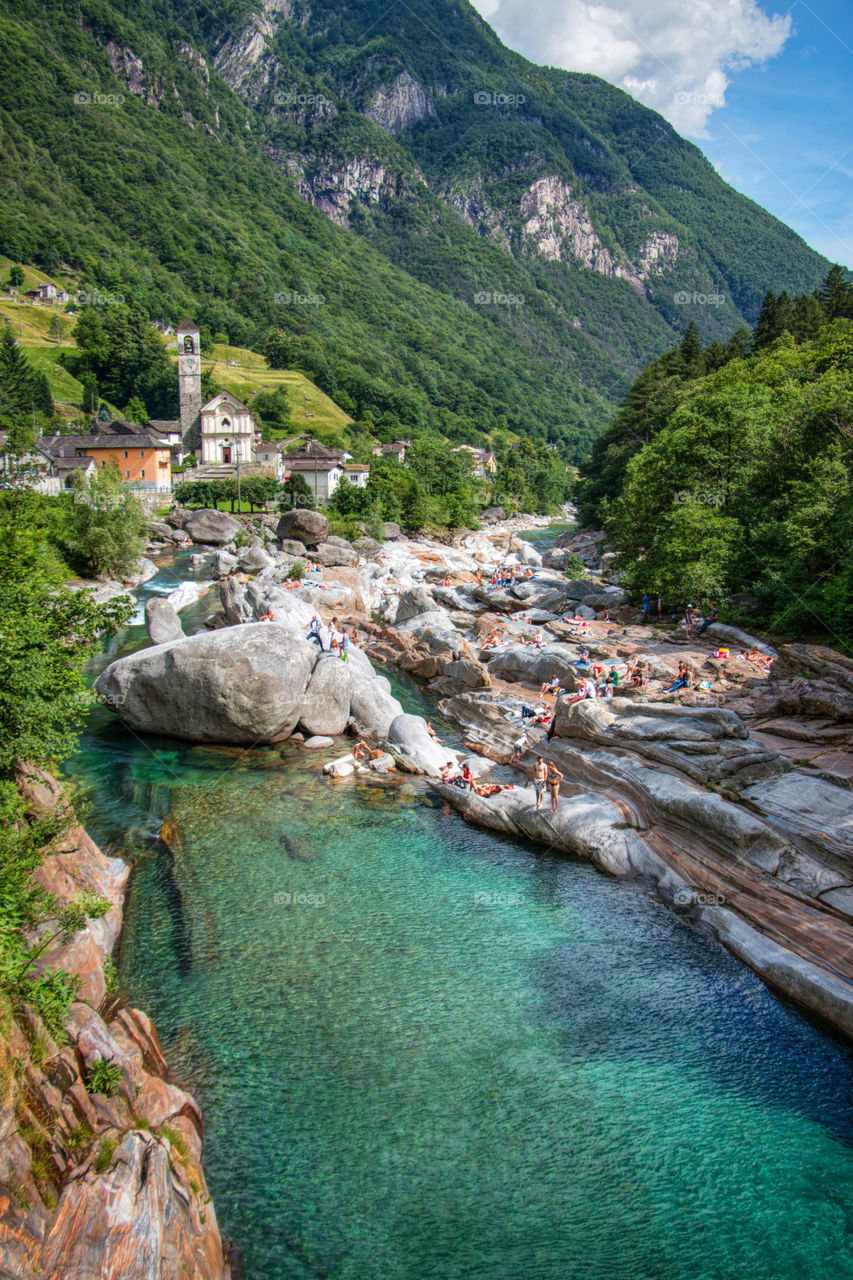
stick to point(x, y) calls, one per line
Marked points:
point(424, 1051)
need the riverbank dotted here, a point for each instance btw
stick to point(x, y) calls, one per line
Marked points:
point(100, 1181)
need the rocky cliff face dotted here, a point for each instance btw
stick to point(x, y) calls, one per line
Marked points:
point(96, 1186)
point(400, 105)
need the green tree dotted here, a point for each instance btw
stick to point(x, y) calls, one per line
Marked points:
point(16, 277)
point(106, 528)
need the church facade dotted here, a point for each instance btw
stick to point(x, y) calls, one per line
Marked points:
point(228, 433)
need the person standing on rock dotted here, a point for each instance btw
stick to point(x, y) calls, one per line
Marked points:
point(647, 604)
point(314, 632)
point(553, 779)
point(540, 773)
point(521, 746)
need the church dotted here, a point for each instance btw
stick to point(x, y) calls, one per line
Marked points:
point(221, 432)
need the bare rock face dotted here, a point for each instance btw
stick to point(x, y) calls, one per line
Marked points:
point(415, 601)
point(162, 622)
point(413, 749)
point(241, 684)
point(326, 705)
point(118, 1190)
point(213, 527)
point(331, 554)
point(373, 708)
point(707, 744)
point(307, 527)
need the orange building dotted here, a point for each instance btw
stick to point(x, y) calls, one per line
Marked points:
point(143, 460)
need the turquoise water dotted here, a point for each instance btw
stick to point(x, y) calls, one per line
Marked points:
point(424, 1051)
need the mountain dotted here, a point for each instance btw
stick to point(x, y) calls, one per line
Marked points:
point(448, 236)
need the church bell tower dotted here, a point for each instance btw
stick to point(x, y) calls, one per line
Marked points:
point(189, 375)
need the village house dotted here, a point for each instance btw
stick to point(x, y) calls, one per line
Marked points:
point(483, 461)
point(143, 460)
point(396, 449)
point(321, 468)
point(269, 456)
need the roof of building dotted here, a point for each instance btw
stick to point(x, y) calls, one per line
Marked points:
point(188, 326)
point(355, 466)
point(225, 395)
point(266, 445)
point(65, 446)
point(313, 449)
point(164, 426)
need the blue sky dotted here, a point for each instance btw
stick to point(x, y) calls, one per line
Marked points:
point(765, 90)
point(785, 136)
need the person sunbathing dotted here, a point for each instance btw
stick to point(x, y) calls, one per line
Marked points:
point(432, 733)
point(492, 788)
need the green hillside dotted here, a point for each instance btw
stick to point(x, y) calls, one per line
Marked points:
point(174, 187)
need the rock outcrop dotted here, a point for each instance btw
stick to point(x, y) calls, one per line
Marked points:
point(215, 528)
point(161, 621)
point(307, 527)
point(242, 684)
point(97, 1187)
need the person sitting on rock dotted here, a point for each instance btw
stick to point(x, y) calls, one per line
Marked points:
point(432, 733)
point(612, 682)
point(269, 616)
point(582, 659)
point(467, 776)
point(712, 617)
point(691, 621)
point(683, 680)
point(550, 686)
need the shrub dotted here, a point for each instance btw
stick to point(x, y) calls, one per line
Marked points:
point(104, 1077)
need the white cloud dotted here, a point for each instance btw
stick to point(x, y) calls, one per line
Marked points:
point(674, 55)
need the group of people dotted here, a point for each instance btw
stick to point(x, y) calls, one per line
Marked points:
point(339, 638)
point(507, 576)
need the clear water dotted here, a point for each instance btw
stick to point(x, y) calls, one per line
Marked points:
point(427, 1052)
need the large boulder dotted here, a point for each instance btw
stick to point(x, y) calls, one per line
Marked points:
point(161, 621)
point(326, 705)
point(223, 563)
point(332, 554)
point(215, 528)
point(373, 707)
point(291, 547)
point(308, 527)
point(235, 604)
point(415, 601)
point(492, 515)
point(390, 531)
point(527, 664)
point(255, 558)
point(241, 684)
point(412, 747)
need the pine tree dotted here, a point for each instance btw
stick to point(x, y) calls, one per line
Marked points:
point(836, 295)
point(16, 381)
point(767, 328)
point(690, 349)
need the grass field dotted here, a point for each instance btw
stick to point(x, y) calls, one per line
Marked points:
point(242, 372)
